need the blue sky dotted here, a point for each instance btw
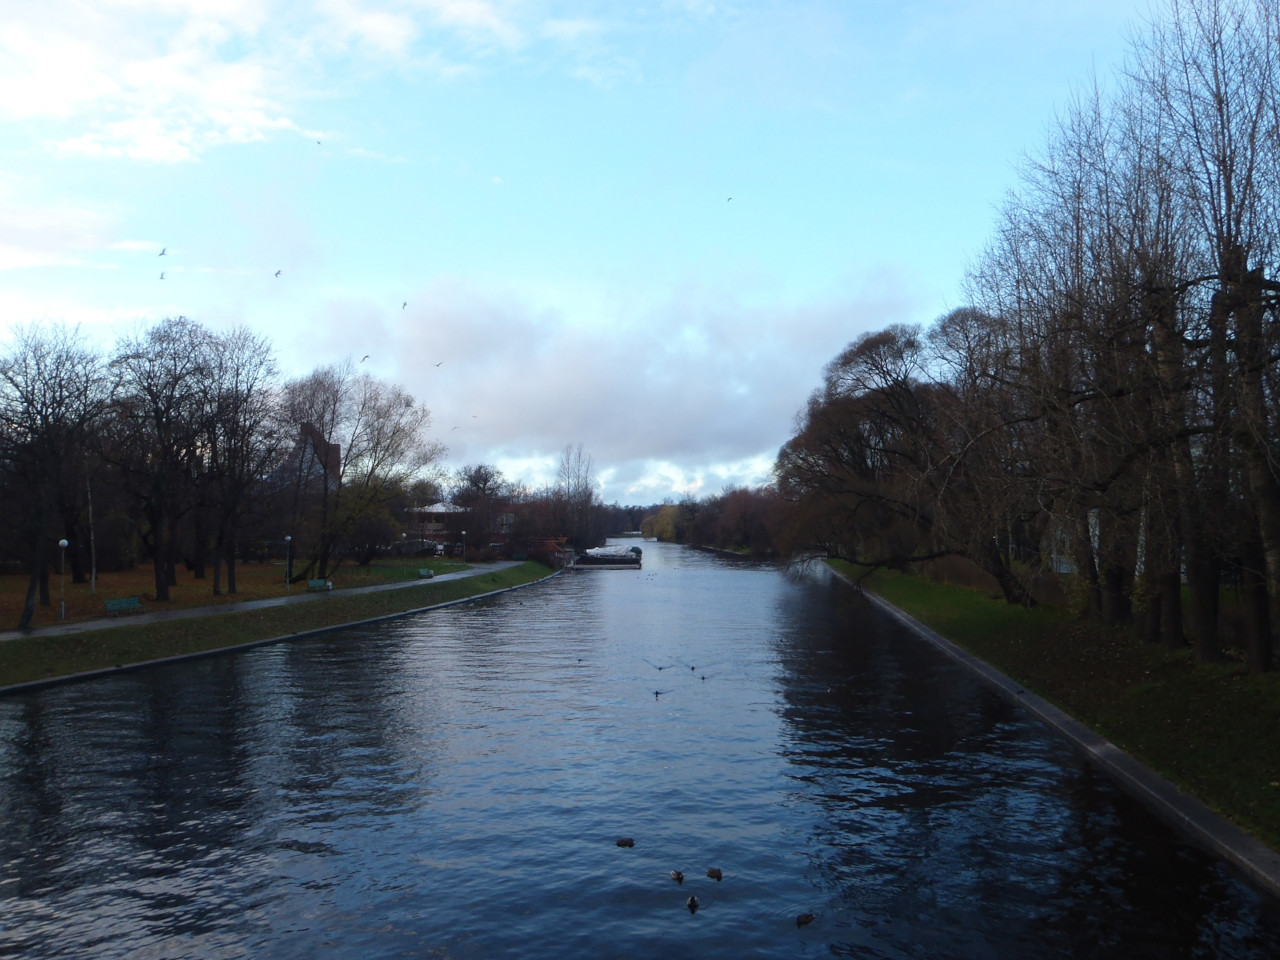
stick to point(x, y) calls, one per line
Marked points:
point(545, 184)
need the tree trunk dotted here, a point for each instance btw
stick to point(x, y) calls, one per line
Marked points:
point(1171, 611)
point(217, 573)
point(1086, 564)
point(992, 560)
point(1202, 573)
point(230, 557)
point(1257, 619)
point(1252, 433)
point(39, 567)
point(160, 536)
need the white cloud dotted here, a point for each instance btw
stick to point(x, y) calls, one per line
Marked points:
point(158, 82)
point(478, 18)
point(384, 32)
point(692, 393)
point(49, 74)
point(166, 80)
point(36, 234)
point(571, 31)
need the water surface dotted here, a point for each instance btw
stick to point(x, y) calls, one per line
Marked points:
point(453, 785)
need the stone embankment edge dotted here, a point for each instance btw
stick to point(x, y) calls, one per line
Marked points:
point(1258, 862)
point(31, 685)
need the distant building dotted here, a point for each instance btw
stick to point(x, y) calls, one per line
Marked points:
point(435, 520)
point(312, 453)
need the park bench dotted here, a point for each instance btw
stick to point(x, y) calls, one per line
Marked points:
point(319, 584)
point(426, 573)
point(120, 605)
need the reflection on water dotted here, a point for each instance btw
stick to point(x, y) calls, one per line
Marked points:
point(452, 785)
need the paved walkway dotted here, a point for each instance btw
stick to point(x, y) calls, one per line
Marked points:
point(302, 596)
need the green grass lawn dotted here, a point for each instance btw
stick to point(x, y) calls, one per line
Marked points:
point(1213, 729)
point(39, 658)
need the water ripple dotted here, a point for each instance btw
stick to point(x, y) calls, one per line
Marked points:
point(453, 785)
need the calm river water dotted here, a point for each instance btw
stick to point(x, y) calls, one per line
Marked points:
point(454, 784)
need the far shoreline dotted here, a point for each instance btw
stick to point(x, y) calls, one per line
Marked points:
point(53, 659)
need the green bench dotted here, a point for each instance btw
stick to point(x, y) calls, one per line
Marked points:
point(122, 605)
point(319, 584)
point(426, 573)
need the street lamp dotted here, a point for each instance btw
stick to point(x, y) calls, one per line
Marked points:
point(62, 576)
point(403, 548)
point(288, 562)
point(464, 546)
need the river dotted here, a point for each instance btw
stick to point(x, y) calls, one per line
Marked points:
point(454, 784)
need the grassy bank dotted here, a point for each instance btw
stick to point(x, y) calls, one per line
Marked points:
point(1210, 728)
point(38, 658)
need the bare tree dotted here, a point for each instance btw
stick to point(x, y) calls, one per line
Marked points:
point(1212, 67)
point(157, 428)
point(360, 441)
point(242, 441)
point(53, 391)
point(576, 487)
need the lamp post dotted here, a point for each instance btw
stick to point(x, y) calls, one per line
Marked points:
point(403, 547)
point(62, 577)
point(464, 546)
point(288, 562)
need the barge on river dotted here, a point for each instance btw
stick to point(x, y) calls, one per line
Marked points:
point(614, 557)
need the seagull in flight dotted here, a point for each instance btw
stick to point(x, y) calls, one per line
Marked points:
point(438, 364)
point(162, 250)
point(403, 305)
point(364, 358)
point(162, 274)
point(278, 272)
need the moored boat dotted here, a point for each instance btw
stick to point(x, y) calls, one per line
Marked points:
point(615, 557)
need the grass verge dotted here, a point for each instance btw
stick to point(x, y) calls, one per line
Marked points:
point(255, 581)
point(40, 658)
point(1213, 729)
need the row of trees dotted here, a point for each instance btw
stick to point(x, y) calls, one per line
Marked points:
point(568, 510)
point(1109, 398)
point(752, 521)
point(188, 443)
point(186, 447)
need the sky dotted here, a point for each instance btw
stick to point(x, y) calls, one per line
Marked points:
point(640, 227)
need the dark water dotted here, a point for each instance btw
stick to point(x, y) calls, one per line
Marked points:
point(452, 785)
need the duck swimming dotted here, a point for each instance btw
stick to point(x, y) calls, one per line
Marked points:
point(626, 842)
point(677, 876)
point(714, 873)
point(692, 904)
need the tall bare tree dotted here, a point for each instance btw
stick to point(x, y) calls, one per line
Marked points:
point(576, 488)
point(53, 392)
point(157, 427)
point(360, 441)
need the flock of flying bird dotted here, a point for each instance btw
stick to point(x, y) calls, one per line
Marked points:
point(164, 251)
